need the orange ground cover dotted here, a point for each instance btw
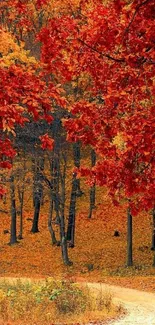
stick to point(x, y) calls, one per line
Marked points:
point(34, 256)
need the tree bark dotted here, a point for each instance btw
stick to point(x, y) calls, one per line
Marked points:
point(64, 248)
point(129, 239)
point(93, 188)
point(13, 236)
point(57, 186)
point(21, 191)
point(21, 199)
point(56, 175)
point(37, 194)
point(50, 228)
point(77, 158)
point(72, 211)
point(34, 176)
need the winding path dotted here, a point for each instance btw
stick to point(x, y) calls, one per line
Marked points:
point(140, 305)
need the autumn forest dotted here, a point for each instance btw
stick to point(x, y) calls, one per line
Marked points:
point(77, 142)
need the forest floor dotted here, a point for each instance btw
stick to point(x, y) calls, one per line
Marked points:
point(97, 256)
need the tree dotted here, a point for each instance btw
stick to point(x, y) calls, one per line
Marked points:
point(116, 50)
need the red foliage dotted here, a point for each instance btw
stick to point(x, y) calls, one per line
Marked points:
point(113, 48)
point(116, 50)
point(46, 142)
point(25, 93)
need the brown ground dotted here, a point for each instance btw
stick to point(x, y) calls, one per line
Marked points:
point(95, 246)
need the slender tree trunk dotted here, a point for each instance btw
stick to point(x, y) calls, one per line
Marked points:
point(61, 222)
point(13, 237)
point(58, 194)
point(64, 248)
point(21, 199)
point(75, 192)
point(36, 212)
point(77, 158)
point(153, 229)
point(37, 195)
point(50, 228)
point(56, 175)
point(93, 188)
point(62, 177)
point(72, 211)
point(21, 191)
point(129, 238)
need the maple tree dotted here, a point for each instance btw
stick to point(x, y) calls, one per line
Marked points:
point(111, 48)
point(116, 48)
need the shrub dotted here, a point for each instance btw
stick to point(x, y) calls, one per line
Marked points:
point(68, 298)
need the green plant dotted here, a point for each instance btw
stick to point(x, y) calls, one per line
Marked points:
point(68, 298)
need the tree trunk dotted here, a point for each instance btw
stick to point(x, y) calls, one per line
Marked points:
point(21, 191)
point(50, 228)
point(21, 199)
point(34, 176)
point(64, 248)
point(75, 192)
point(71, 219)
point(153, 230)
point(93, 188)
point(58, 194)
point(13, 236)
point(129, 238)
point(36, 212)
point(77, 158)
point(55, 174)
point(37, 194)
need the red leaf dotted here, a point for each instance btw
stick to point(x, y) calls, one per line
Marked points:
point(46, 142)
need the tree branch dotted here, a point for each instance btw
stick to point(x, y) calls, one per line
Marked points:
point(108, 56)
point(134, 15)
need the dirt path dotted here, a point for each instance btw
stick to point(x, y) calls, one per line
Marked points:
point(140, 305)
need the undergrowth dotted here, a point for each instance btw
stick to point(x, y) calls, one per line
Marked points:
point(53, 302)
